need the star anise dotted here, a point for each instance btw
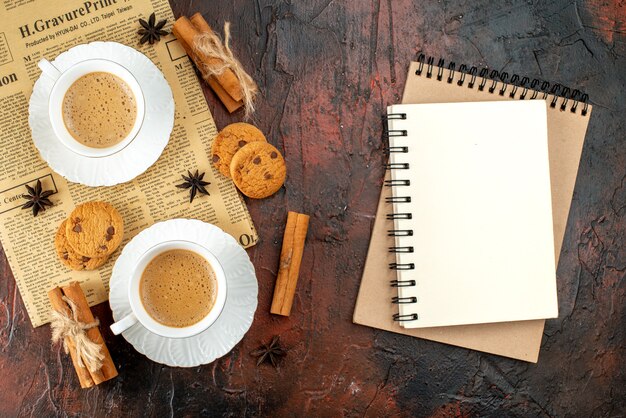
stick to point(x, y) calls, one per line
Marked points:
point(151, 32)
point(37, 198)
point(195, 183)
point(269, 352)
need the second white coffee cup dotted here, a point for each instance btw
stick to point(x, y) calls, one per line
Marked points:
point(139, 313)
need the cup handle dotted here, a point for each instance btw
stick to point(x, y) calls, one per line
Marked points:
point(124, 323)
point(48, 69)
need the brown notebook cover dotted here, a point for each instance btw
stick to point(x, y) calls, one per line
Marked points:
point(566, 133)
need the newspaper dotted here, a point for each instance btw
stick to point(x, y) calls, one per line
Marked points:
point(35, 29)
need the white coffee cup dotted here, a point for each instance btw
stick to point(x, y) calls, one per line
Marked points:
point(63, 81)
point(141, 316)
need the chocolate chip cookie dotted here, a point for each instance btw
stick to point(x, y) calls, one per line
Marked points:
point(94, 229)
point(71, 258)
point(229, 141)
point(258, 170)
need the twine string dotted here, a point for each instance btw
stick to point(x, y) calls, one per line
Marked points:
point(210, 45)
point(64, 325)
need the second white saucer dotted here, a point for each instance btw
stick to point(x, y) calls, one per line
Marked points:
point(236, 317)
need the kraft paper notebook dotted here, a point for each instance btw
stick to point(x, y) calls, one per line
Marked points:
point(566, 133)
point(472, 213)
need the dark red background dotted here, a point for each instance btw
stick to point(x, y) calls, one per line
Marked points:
point(326, 70)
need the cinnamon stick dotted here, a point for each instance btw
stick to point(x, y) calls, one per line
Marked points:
point(59, 305)
point(198, 21)
point(230, 83)
point(228, 102)
point(108, 371)
point(185, 32)
point(290, 260)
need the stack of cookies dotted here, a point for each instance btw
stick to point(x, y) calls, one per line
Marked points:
point(89, 236)
point(240, 151)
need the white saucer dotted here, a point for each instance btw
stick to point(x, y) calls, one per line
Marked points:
point(226, 331)
point(135, 158)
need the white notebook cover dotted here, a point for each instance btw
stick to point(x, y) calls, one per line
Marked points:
point(481, 214)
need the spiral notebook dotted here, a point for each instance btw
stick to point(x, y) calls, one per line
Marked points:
point(472, 213)
point(567, 118)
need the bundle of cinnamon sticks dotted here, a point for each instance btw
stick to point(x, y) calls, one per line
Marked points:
point(220, 70)
point(70, 303)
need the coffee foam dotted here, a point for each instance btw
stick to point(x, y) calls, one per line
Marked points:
point(99, 110)
point(178, 288)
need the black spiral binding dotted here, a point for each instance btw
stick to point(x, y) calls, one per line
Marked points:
point(400, 183)
point(390, 150)
point(407, 249)
point(399, 300)
point(490, 79)
point(397, 166)
point(401, 266)
point(398, 199)
point(402, 283)
point(406, 317)
point(400, 233)
point(392, 183)
point(392, 216)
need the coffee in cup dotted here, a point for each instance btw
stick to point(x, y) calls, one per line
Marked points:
point(178, 288)
point(99, 109)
